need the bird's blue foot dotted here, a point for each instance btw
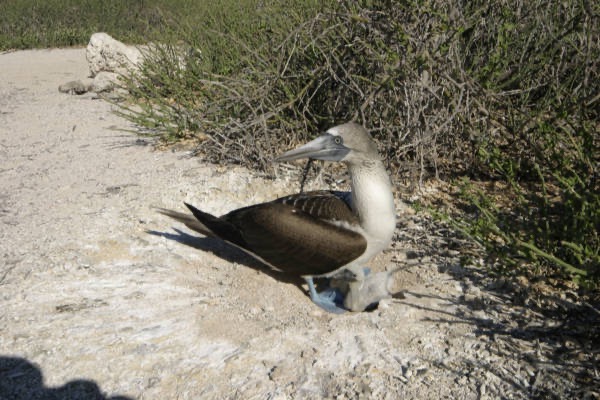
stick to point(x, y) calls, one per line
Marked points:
point(330, 299)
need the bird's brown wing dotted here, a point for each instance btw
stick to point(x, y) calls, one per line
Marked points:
point(324, 205)
point(295, 234)
point(295, 241)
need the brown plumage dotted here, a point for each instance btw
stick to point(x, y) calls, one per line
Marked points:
point(295, 234)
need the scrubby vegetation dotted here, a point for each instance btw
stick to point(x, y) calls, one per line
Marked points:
point(536, 70)
point(501, 98)
point(490, 91)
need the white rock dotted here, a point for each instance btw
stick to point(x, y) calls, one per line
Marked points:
point(104, 53)
point(104, 81)
point(75, 87)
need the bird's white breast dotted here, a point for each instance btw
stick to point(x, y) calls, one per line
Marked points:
point(373, 201)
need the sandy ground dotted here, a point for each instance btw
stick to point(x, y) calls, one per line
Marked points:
point(101, 297)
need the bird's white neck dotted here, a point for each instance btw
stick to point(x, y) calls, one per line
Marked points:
point(373, 201)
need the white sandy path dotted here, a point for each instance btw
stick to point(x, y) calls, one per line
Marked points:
point(87, 293)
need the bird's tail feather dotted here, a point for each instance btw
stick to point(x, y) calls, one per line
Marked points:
point(189, 220)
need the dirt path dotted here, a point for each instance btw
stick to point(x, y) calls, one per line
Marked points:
point(99, 295)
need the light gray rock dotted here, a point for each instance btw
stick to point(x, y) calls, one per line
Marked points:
point(101, 83)
point(107, 59)
point(104, 81)
point(105, 53)
point(75, 87)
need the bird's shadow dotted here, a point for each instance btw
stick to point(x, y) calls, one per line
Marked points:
point(231, 254)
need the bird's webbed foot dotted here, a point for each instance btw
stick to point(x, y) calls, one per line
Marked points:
point(341, 288)
point(330, 299)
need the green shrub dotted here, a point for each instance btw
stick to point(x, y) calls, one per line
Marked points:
point(260, 92)
point(537, 68)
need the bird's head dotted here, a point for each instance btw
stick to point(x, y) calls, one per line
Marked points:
point(348, 143)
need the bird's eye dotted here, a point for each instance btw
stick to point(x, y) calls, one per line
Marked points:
point(338, 140)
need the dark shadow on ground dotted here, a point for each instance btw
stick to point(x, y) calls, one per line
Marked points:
point(228, 253)
point(22, 380)
point(559, 346)
point(553, 335)
point(126, 140)
point(233, 254)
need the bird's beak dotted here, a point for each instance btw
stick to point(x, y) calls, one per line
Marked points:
point(327, 147)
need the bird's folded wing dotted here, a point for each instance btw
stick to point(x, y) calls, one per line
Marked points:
point(323, 204)
point(295, 241)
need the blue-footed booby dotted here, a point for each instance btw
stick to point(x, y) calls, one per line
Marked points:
point(323, 233)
